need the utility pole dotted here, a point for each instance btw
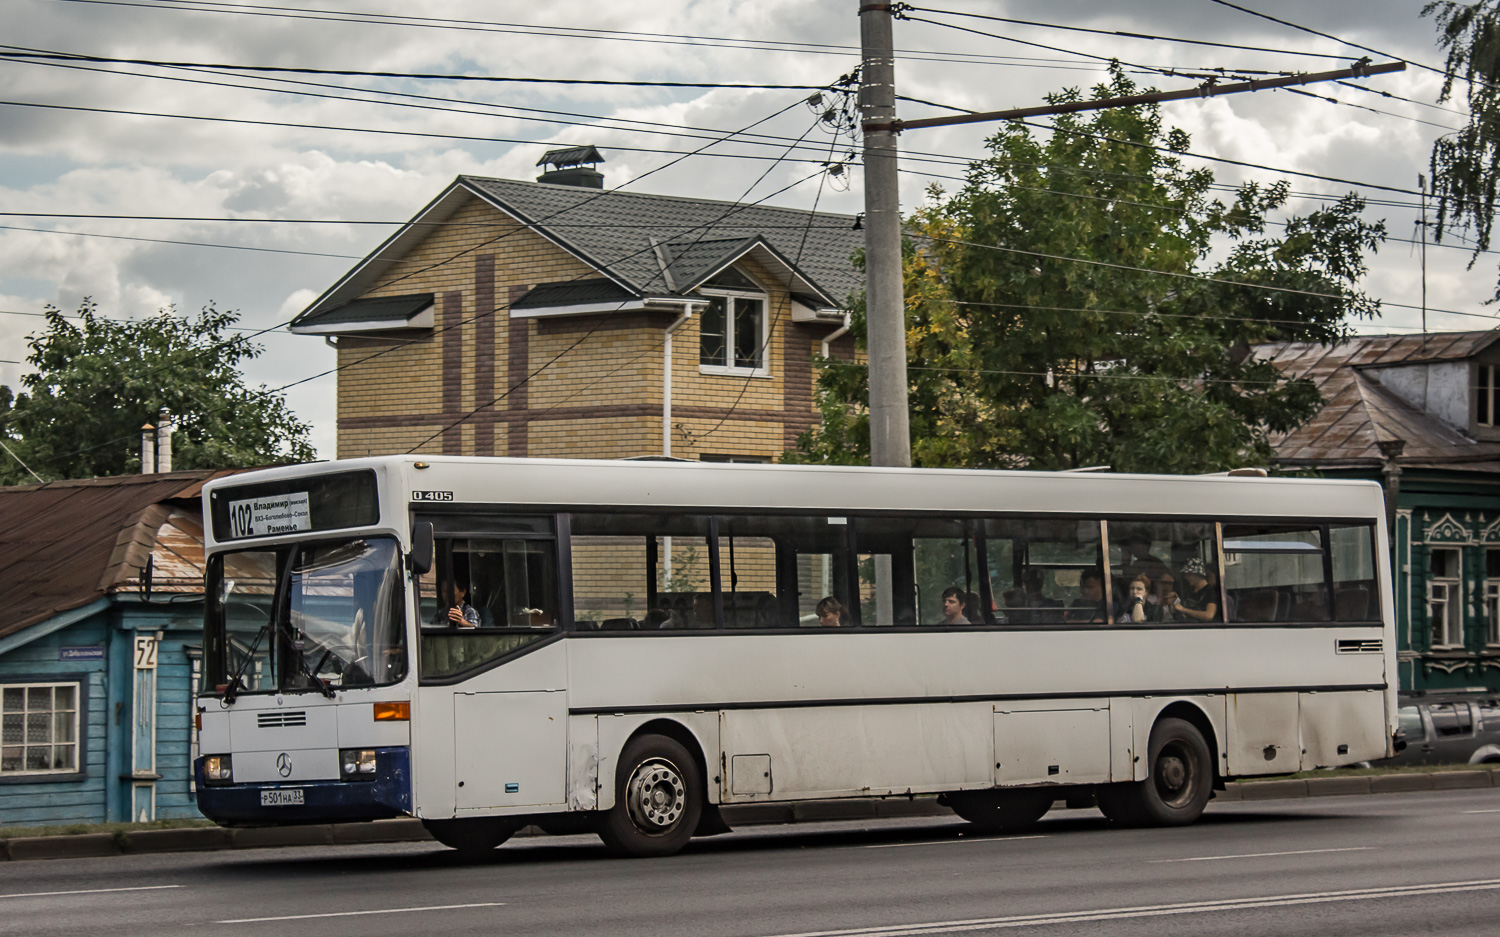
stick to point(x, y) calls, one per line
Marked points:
point(885, 306)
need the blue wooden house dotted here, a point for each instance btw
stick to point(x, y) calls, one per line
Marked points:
point(101, 609)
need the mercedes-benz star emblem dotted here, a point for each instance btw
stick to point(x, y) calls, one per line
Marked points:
point(284, 764)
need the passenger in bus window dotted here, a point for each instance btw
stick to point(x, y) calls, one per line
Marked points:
point(703, 610)
point(1138, 606)
point(1164, 594)
point(457, 612)
point(971, 608)
point(953, 606)
point(1198, 601)
point(1089, 607)
point(830, 612)
point(1138, 558)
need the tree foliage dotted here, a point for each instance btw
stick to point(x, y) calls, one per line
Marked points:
point(1465, 165)
point(1084, 300)
point(97, 381)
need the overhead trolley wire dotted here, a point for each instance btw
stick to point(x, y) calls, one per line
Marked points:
point(577, 32)
point(285, 69)
point(1119, 33)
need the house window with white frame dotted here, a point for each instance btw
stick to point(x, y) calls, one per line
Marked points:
point(38, 729)
point(734, 327)
point(1445, 596)
point(1492, 594)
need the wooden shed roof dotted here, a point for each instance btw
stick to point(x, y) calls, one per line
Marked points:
point(1359, 412)
point(66, 544)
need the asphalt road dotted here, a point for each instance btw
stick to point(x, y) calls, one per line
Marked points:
point(1393, 864)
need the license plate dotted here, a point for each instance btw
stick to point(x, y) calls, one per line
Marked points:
point(291, 797)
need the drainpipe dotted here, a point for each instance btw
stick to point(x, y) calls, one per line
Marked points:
point(666, 379)
point(835, 334)
point(1391, 450)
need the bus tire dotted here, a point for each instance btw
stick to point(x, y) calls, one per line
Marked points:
point(1002, 811)
point(658, 799)
point(472, 838)
point(1178, 786)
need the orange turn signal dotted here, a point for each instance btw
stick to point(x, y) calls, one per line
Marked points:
point(393, 712)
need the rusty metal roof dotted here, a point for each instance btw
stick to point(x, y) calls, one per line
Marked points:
point(1359, 412)
point(66, 544)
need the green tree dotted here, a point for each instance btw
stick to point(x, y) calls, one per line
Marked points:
point(1083, 300)
point(1465, 165)
point(97, 380)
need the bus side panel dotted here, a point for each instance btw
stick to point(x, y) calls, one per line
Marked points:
point(1049, 743)
point(1263, 734)
point(843, 751)
point(583, 762)
point(1149, 709)
point(1341, 728)
point(615, 730)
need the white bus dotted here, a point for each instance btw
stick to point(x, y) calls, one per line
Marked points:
point(625, 647)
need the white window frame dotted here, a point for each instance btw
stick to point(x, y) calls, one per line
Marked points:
point(1445, 602)
point(1492, 601)
point(729, 296)
point(77, 743)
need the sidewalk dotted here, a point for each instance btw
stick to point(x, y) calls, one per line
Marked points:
point(409, 830)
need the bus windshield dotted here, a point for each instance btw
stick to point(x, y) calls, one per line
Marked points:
point(305, 618)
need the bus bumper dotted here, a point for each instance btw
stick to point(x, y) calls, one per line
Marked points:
point(385, 795)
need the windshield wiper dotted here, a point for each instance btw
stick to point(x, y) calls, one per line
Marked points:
point(236, 679)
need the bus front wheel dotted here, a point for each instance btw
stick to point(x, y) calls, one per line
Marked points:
point(658, 799)
point(1178, 787)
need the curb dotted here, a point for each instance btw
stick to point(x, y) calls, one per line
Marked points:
point(406, 830)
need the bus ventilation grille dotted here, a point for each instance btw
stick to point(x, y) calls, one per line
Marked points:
point(1372, 646)
point(284, 720)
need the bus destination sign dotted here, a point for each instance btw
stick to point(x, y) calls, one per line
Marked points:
point(262, 517)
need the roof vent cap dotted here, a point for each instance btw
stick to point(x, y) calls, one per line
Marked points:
point(572, 166)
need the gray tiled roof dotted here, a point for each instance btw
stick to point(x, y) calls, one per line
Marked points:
point(571, 292)
point(612, 230)
point(394, 309)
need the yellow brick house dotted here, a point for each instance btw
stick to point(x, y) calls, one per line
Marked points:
point(558, 318)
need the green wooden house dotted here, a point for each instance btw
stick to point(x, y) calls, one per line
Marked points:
point(1421, 415)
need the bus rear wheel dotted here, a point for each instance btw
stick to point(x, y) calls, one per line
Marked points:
point(1001, 811)
point(658, 799)
point(1179, 785)
point(473, 838)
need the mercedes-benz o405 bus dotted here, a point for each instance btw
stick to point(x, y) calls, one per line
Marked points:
point(626, 647)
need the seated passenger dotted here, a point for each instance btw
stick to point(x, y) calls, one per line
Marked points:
point(457, 613)
point(953, 607)
point(1089, 607)
point(1137, 606)
point(1199, 602)
point(703, 611)
point(656, 618)
point(830, 612)
point(972, 610)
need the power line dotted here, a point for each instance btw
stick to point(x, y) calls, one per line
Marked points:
point(1117, 33)
point(235, 247)
point(281, 69)
point(575, 32)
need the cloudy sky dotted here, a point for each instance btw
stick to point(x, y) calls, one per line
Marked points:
point(287, 209)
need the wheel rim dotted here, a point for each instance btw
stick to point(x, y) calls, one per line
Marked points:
point(1176, 775)
point(656, 796)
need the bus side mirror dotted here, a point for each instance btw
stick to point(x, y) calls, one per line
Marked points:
point(420, 558)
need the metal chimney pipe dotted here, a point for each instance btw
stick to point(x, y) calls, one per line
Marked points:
point(164, 431)
point(148, 449)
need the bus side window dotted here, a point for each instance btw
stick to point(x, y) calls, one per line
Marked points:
point(641, 572)
point(774, 569)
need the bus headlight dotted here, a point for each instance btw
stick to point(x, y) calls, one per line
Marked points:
point(217, 769)
point(356, 764)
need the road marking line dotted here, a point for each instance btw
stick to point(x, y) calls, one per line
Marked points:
point(1482, 811)
point(1145, 911)
point(949, 842)
point(1261, 855)
point(306, 917)
point(89, 891)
